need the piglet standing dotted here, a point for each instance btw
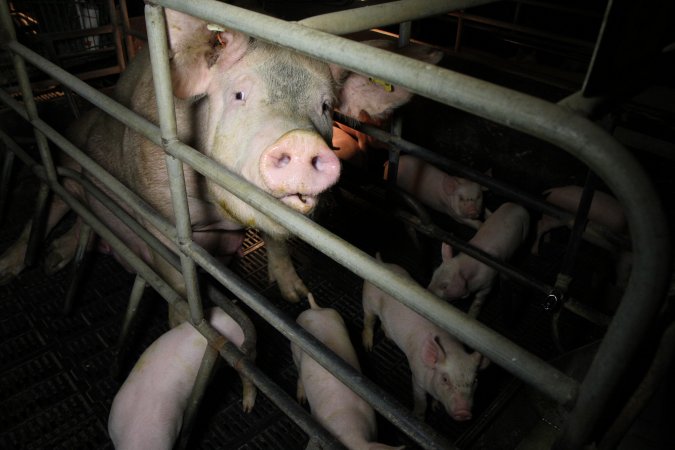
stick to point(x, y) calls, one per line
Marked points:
point(460, 276)
point(147, 412)
point(346, 415)
point(439, 363)
point(459, 198)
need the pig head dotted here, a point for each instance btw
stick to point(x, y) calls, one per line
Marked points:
point(452, 374)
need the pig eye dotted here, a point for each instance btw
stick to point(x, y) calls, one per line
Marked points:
point(326, 108)
point(239, 96)
point(445, 380)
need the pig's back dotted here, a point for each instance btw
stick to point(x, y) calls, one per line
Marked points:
point(327, 325)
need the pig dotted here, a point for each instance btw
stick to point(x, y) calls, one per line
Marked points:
point(373, 102)
point(459, 198)
point(439, 363)
point(461, 275)
point(335, 406)
point(605, 214)
point(262, 111)
point(147, 412)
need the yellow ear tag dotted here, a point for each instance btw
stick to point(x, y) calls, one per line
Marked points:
point(386, 86)
point(217, 29)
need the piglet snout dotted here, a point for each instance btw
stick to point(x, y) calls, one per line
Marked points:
point(298, 167)
point(462, 415)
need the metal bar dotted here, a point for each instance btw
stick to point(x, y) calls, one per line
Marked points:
point(359, 19)
point(7, 166)
point(78, 267)
point(117, 35)
point(159, 58)
point(135, 297)
point(204, 374)
point(126, 27)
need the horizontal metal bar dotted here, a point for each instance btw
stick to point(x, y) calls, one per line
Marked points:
point(389, 13)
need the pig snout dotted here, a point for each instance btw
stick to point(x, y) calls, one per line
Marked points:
point(461, 416)
point(297, 168)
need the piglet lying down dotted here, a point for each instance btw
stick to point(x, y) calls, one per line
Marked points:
point(147, 412)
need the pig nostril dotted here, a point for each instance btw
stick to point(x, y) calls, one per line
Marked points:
point(283, 160)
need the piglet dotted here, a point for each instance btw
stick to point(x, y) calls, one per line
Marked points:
point(460, 276)
point(346, 415)
point(147, 412)
point(439, 363)
point(457, 197)
point(605, 214)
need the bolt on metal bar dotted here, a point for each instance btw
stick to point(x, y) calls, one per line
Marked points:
point(359, 19)
point(159, 58)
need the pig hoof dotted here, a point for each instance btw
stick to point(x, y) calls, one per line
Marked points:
point(367, 339)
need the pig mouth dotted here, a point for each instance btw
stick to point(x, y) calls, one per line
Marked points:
point(302, 203)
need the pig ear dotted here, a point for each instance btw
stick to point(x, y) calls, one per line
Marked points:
point(432, 352)
point(446, 252)
point(483, 361)
point(450, 185)
point(199, 53)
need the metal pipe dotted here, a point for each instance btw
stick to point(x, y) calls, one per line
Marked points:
point(135, 297)
point(78, 267)
point(117, 35)
point(359, 19)
point(126, 26)
point(204, 374)
point(159, 58)
point(7, 165)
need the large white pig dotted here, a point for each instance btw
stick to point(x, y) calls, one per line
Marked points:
point(147, 412)
point(262, 111)
point(461, 275)
point(439, 363)
point(346, 415)
point(459, 198)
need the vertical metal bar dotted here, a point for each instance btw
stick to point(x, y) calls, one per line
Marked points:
point(206, 369)
point(159, 57)
point(124, 11)
point(117, 35)
point(404, 30)
point(79, 266)
point(7, 166)
point(135, 297)
point(460, 30)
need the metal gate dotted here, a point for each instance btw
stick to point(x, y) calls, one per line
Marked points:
point(546, 121)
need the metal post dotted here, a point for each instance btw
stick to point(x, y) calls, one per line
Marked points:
point(78, 267)
point(137, 292)
point(131, 52)
point(7, 166)
point(159, 56)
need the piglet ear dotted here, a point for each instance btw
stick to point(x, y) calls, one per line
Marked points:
point(482, 360)
point(198, 52)
point(450, 185)
point(432, 351)
point(446, 252)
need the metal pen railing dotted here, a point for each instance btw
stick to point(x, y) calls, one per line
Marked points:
point(541, 119)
